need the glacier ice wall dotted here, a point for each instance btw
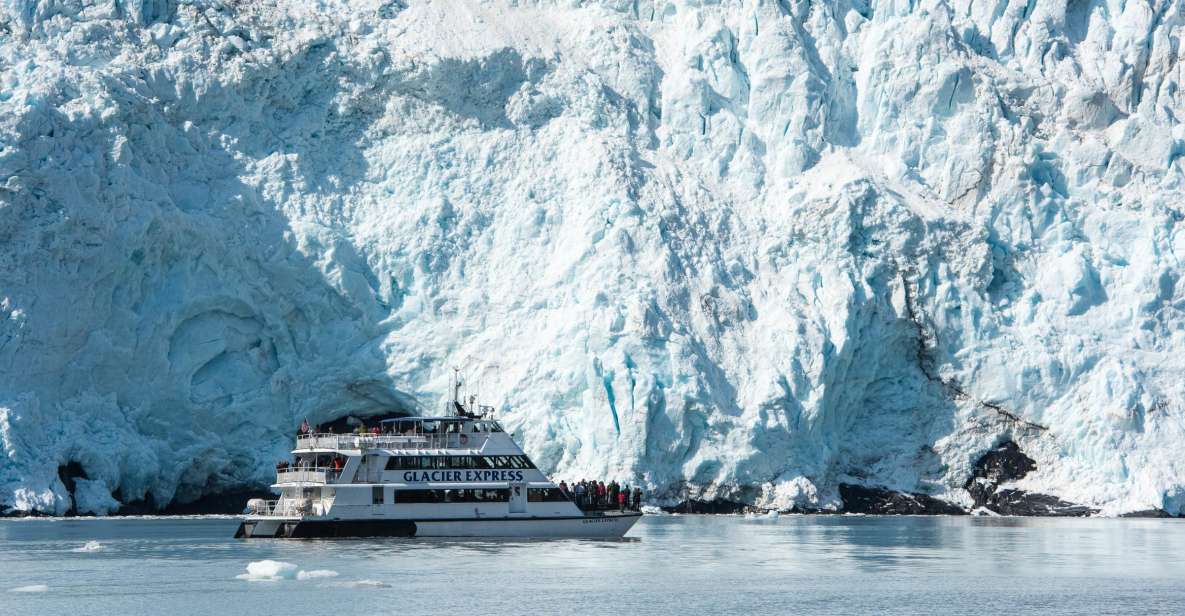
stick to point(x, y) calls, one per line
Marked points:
point(747, 249)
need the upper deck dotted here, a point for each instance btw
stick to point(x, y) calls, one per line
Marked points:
point(410, 433)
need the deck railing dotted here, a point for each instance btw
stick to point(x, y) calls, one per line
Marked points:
point(288, 507)
point(307, 475)
point(449, 440)
point(273, 507)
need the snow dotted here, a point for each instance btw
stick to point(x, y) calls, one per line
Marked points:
point(747, 250)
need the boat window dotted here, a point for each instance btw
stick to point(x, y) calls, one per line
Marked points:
point(416, 496)
point(376, 495)
point(430, 427)
point(494, 427)
point(399, 463)
point(546, 495)
point(452, 496)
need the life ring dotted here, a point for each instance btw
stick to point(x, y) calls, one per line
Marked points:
point(464, 439)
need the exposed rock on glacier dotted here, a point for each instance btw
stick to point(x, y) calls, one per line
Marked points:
point(746, 251)
point(1007, 463)
point(862, 499)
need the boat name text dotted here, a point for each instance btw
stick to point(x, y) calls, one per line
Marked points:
point(482, 475)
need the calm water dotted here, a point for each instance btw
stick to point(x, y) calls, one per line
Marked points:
point(670, 565)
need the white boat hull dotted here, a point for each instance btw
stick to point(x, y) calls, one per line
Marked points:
point(612, 525)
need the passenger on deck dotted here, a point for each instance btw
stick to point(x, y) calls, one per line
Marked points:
point(637, 499)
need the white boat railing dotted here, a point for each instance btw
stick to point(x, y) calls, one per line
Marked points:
point(449, 440)
point(288, 507)
point(307, 475)
point(272, 507)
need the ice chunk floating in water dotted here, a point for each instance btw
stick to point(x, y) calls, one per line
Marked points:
point(366, 584)
point(738, 250)
point(268, 571)
point(31, 588)
point(89, 546)
point(316, 574)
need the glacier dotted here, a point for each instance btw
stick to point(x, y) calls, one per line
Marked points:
point(746, 250)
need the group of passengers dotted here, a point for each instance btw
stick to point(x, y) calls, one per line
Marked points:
point(588, 494)
point(336, 463)
point(401, 428)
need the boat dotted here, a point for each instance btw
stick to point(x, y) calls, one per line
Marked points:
point(460, 475)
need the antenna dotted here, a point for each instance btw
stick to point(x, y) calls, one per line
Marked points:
point(456, 385)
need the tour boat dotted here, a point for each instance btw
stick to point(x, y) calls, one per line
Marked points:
point(455, 476)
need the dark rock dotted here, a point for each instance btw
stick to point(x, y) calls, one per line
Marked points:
point(862, 499)
point(1148, 513)
point(718, 505)
point(1006, 462)
point(1019, 502)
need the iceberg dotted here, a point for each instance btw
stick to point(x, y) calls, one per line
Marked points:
point(746, 251)
point(269, 571)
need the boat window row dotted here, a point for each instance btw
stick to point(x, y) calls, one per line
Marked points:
point(415, 463)
point(546, 495)
point(452, 496)
point(440, 426)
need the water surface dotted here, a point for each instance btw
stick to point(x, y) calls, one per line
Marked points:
point(668, 565)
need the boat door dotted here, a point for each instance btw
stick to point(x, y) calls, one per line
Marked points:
point(374, 468)
point(518, 498)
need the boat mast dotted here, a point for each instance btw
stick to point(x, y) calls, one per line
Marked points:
point(455, 405)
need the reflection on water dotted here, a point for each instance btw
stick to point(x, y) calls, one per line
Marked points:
point(668, 565)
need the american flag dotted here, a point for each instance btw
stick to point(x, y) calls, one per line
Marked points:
point(304, 427)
